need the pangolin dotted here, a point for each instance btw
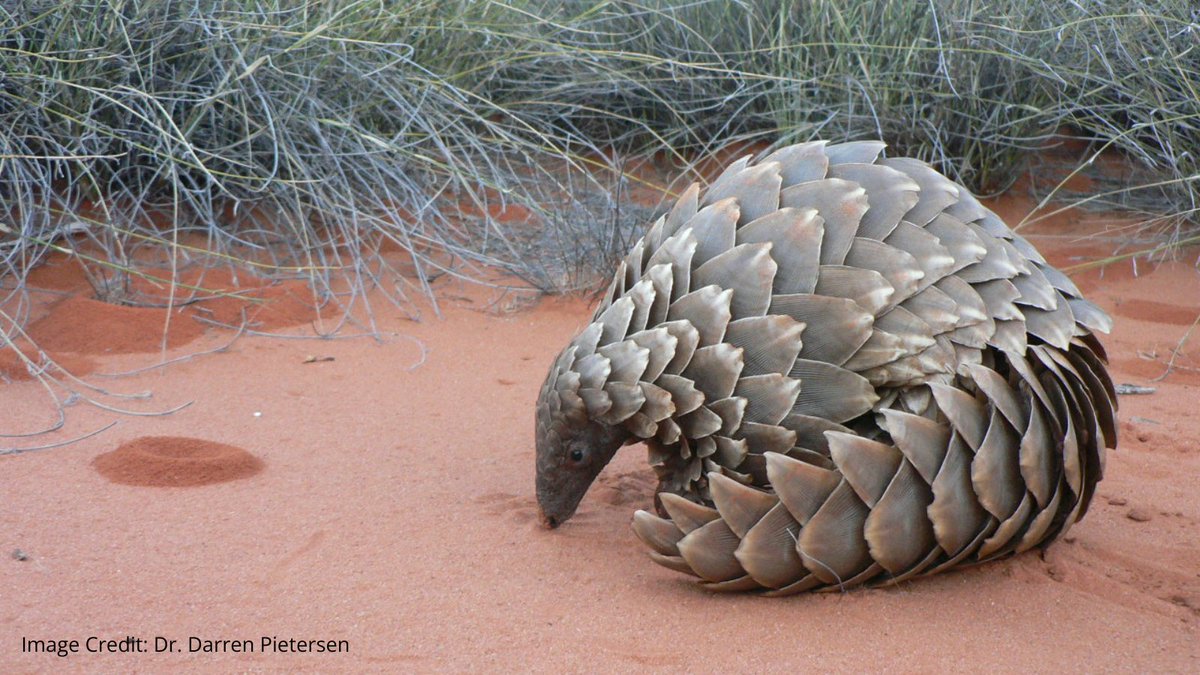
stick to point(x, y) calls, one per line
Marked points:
point(847, 372)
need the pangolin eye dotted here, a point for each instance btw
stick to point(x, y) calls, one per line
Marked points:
point(577, 455)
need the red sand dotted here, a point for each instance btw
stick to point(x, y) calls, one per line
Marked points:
point(396, 512)
point(14, 368)
point(174, 461)
point(59, 273)
point(82, 325)
point(266, 305)
point(87, 326)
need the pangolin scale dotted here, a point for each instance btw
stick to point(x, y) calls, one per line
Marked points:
point(847, 372)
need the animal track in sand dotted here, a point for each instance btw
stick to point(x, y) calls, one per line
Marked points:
point(630, 487)
point(175, 461)
point(1158, 578)
point(281, 568)
point(521, 508)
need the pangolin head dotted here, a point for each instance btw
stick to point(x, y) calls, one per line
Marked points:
point(572, 448)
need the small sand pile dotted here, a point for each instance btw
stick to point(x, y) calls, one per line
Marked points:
point(84, 326)
point(12, 366)
point(287, 303)
point(175, 461)
point(87, 326)
point(59, 272)
point(268, 305)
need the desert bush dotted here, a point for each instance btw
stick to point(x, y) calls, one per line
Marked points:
point(300, 137)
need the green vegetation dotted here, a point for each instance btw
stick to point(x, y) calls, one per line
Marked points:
point(298, 137)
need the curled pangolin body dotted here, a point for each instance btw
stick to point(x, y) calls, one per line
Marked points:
point(847, 371)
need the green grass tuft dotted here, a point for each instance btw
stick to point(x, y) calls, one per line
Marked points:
point(300, 137)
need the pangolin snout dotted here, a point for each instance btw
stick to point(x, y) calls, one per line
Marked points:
point(548, 522)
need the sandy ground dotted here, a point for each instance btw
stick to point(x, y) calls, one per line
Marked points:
point(391, 506)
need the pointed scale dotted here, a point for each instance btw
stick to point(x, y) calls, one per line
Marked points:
point(835, 328)
point(707, 310)
point(658, 533)
point(768, 397)
point(756, 189)
point(768, 550)
point(795, 235)
point(856, 152)
point(899, 268)
point(937, 192)
point(740, 506)
point(770, 344)
point(890, 194)
point(830, 391)
point(898, 532)
point(801, 162)
point(747, 270)
point(714, 227)
point(677, 251)
point(831, 544)
point(709, 550)
point(841, 204)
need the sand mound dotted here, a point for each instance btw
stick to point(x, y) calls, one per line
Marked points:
point(12, 366)
point(82, 325)
point(59, 272)
point(87, 326)
point(213, 293)
point(267, 304)
point(288, 303)
point(174, 461)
